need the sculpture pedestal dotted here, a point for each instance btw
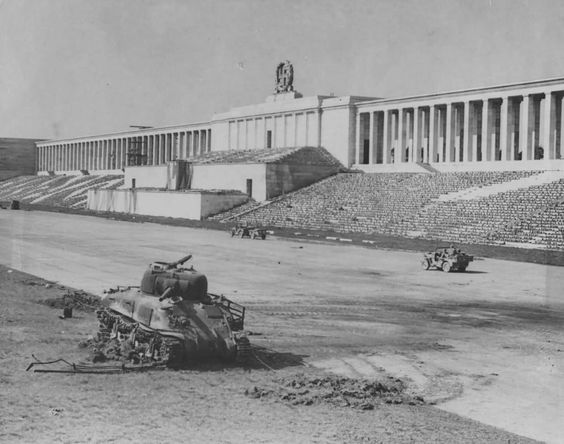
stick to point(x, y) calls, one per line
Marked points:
point(282, 97)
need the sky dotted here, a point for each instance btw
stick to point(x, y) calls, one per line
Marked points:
point(71, 68)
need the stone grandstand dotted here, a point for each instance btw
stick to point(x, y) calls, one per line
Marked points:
point(521, 208)
point(56, 191)
point(293, 155)
point(518, 208)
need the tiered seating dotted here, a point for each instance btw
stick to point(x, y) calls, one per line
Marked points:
point(62, 191)
point(383, 203)
point(300, 155)
point(230, 214)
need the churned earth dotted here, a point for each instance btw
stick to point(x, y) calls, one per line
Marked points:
point(479, 355)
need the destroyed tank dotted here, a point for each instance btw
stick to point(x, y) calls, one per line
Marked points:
point(171, 319)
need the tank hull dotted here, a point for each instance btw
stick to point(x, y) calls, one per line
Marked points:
point(169, 331)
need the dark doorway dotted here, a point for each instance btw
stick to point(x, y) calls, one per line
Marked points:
point(250, 187)
point(269, 139)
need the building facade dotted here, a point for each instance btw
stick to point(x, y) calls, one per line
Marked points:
point(517, 126)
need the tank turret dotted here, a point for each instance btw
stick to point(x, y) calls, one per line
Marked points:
point(171, 318)
point(184, 283)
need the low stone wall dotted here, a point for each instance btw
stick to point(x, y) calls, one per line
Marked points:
point(194, 204)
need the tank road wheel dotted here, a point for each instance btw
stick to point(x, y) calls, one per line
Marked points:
point(425, 264)
point(446, 267)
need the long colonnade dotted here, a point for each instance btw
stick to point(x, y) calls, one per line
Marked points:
point(117, 151)
point(476, 126)
point(275, 131)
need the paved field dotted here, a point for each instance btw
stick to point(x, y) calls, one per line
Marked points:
point(487, 344)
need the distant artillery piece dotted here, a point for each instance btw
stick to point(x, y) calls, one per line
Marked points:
point(446, 259)
point(244, 230)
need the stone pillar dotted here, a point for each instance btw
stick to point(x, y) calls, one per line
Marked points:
point(123, 154)
point(385, 139)
point(204, 139)
point(371, 129)
point(358, 139)
point(466, 134)
point(149, 149)
point(190, 144)
point(547, 137)
point(415, 145)
point(106, 154)
point(448, 131)
point(408, 135)
point(159, 148)
point(503, 128)
point(485, 142)
point(400, 143)
point(432, 157)
point(561, 147)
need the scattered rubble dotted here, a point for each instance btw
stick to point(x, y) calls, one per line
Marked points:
point(339, 391)
point(74, 299)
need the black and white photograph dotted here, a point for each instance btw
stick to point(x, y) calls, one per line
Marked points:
point(281, 221)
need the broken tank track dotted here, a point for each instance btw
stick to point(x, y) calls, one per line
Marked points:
point(121, 339)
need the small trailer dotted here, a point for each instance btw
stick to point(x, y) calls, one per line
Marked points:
point(243, 230)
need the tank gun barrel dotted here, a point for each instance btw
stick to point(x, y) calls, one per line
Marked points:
point(179, 262)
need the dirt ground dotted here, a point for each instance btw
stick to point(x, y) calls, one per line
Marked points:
point(483, 349)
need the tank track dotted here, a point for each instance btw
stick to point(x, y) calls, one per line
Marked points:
point(123, 339)
point(244, 349)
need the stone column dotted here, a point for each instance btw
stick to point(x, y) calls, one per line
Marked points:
point(432, 157)
point(448, 131)
point(547, 139)
point(149, 149)
point(123, 153)
point(561, 147)
point(371, 128)
point(358, 138)
point(485, 143)
point(415, 145)
point(385, 139)
point(466, 135)
point(503, 127)
point(190, 144)
point(106, 158)
point(400, 143)
point(204, 139)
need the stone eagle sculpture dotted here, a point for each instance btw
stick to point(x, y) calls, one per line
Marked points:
point(284, 78)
